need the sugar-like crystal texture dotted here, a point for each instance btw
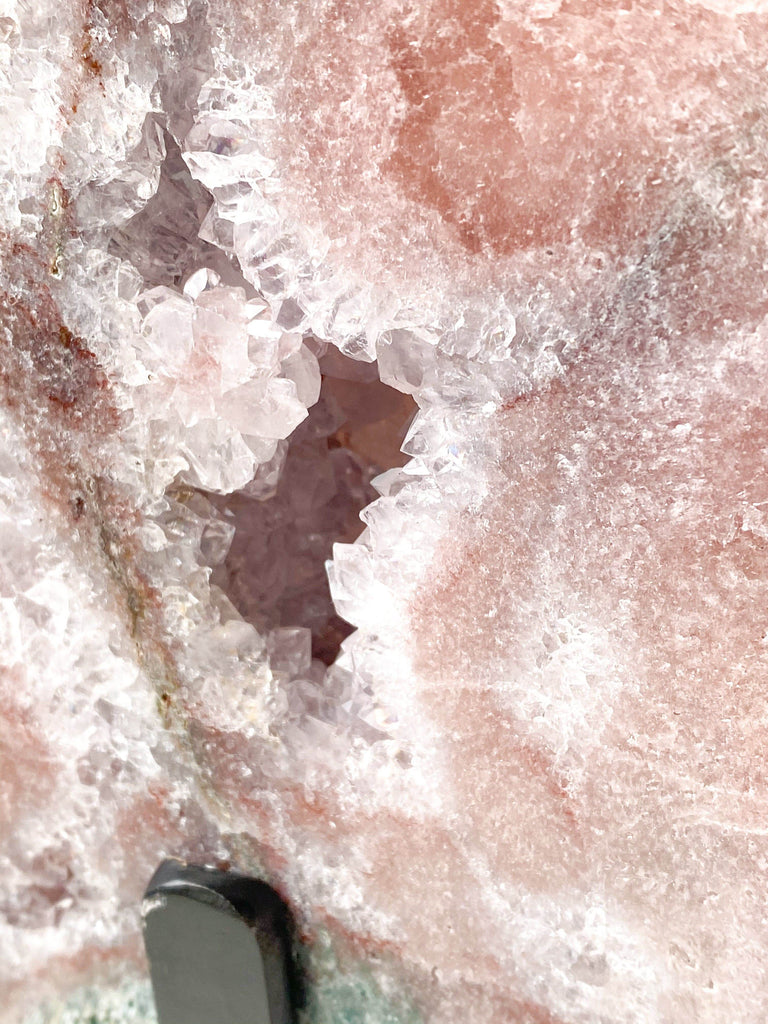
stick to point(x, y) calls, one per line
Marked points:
point(502, 744)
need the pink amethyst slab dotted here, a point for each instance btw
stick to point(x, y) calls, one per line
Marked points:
point(532, 788)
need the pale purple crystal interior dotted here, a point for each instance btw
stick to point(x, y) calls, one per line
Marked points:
point(383, 433)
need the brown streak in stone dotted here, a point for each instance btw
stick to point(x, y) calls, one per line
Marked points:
point(56, 387)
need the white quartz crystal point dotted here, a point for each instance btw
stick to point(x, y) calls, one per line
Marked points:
point(227, 150)
point(223, 383)
point(74, 98)
point(81, 747)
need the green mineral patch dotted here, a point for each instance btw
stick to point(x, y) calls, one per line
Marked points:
point(128, 1003)
point(337, 995)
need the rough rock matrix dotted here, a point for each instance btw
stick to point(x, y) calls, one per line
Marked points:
point(489, 276)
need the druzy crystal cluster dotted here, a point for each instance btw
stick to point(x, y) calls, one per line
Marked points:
point(383, 498)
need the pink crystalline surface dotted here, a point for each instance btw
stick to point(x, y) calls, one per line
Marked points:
point(587, 641)
point(561, 601)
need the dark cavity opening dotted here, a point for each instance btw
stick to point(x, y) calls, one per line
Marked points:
point(310, 496)
point(287, 522)
point(162, 240)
